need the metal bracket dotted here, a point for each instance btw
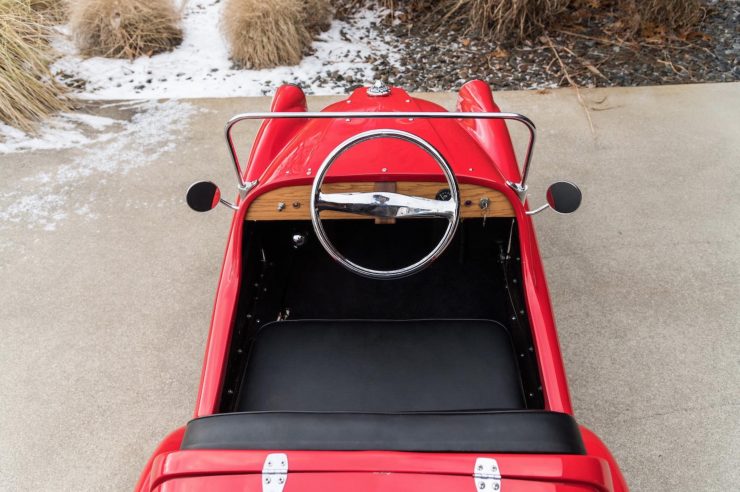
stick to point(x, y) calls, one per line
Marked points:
point(519, 188)
point(275, 472)
point(487, 475)
point(244, 189)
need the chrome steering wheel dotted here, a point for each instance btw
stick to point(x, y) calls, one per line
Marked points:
point(383, 204)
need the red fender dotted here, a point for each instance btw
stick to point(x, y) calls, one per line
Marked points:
point(595, 447)
point(492, 135)
point(273, 135)
point(170, 443)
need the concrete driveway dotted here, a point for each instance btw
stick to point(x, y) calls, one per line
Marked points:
point(107, 283)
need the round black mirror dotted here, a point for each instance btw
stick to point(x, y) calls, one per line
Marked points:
point(203, 196)
point(564, 197)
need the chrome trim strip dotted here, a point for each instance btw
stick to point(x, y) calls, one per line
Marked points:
point(385, 205)
point(520, 188)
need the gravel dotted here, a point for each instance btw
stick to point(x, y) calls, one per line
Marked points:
point(444, 58)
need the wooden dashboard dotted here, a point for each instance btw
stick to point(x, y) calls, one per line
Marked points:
point(293, 202)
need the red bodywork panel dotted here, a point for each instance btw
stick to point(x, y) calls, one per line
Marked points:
point(171, 469)
point(371, 470)
point(288, 153)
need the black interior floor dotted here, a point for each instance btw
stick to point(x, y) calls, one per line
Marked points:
point(452, 287)
point(470, 281)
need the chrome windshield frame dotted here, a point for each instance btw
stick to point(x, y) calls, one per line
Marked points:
point(520, 188)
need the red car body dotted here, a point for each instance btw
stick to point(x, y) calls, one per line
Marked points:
point(288, 152)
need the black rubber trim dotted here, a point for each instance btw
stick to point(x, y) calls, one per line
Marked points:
point(536, 432)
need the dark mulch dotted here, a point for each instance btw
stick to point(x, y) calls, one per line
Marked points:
point(594, 47)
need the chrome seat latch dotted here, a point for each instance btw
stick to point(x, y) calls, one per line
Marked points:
point(275, 472)
point(487, 475)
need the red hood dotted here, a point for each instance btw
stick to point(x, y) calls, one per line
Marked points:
point(297, 156)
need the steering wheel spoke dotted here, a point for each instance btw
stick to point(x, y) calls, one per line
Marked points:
point(384, 204)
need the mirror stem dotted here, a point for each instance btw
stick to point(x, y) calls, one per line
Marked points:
point(538, 210)
point(228, 204)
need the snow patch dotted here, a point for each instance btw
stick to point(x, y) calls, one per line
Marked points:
point(64, 131)
point(95, 122)
point(200, 66)
point(43, 200)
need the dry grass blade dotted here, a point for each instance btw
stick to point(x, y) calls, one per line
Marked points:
point(507, 20)
point(28, 91)
point(572, 82)
point(125, 28)
point(265, 34)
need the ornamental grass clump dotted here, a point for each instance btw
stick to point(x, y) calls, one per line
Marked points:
point(28, 91)
point(408, 4)
point(53, 11)
point(507, 20)
point(125, 28)
point(264, 34)
point(317, 15)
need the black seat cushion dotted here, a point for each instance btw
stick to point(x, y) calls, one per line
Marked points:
point(481, 432)
point(381, 366)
